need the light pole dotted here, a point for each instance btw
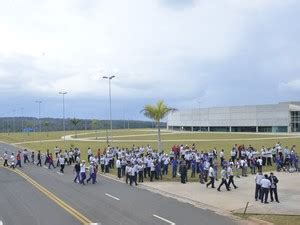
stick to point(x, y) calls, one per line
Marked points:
point(110, 78)
point(64, 125)
point(40, 127)
point(22, 122)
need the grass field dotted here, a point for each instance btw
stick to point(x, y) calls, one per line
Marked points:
point(275, 219)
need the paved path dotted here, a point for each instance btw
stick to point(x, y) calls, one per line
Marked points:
point(108, 202)
point(236, 200)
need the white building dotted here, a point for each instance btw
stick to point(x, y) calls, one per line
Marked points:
point(282, 117)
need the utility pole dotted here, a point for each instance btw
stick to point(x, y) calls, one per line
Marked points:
point(40, 127)
point(64, 125)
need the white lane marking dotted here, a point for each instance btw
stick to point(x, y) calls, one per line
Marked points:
point(90, 224)
point(112, 197)
point(45, 167)
point(163, 219)
point(1, 223)
point(59, 173)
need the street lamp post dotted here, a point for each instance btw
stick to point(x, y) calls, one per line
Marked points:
point(110, 78)
point(40, 127)
point(64, 125)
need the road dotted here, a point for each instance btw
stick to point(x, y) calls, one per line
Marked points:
point(107, 203)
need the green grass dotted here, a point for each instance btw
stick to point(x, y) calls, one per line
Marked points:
point(275, 219)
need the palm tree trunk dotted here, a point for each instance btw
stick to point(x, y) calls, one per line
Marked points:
point(158, 137)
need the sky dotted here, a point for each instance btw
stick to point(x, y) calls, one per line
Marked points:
point(189, 53)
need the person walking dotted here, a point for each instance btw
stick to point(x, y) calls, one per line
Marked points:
point(265, 186)
point(183, 171)
point(12, 160)
point(77, 172)
point(39, 159)
point(50, 161)
point(32, 157)
point(18, 159)
point(25, 156)
point(62, 162)
point(224, 179)
point(92, 173)
point(211, 173)
point(5, 157)
point(258, 190)
point(82, 172)
point(273, 189)
point(174, 167)
point(230, 174)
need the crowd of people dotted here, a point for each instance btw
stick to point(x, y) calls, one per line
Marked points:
point(140, 163)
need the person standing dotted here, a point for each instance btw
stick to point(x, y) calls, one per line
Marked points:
point(141, 170)
point(211, 174)
point(258, 190)
point(265, 186)
point(230, 174)
point(224, 179)
point(39, 159)
point(174, 167)
point(273, 189)
point(118, 166)
point(183, 171)
point(222, 156)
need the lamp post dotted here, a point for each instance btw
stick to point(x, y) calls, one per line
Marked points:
point(40, 127)
point(64, 125)
point(109, 79)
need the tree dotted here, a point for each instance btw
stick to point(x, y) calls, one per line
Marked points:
point(46, 124)
point(75, 122)
point(95, 126)
point(157, 112)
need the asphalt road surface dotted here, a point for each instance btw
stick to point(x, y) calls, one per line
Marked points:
point(39, 196)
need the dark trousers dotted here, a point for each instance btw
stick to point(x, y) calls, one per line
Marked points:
point(141, 177)
point(107, 168)
point(102, 168)
point(264, 194)
point(152, 175)
point(230, 181)
point(19, 163)
point(145, 172)
point(5, 163)
point(224, 181)
point(119, 172)
point(165, 170)
point(26, 159)
point(211, 182)
point(174, 171)
point(127, 178)
point(274, 191)
point(77, 177)
point(39, 162)
point(123, 170)
point(183, 176)
point(62, 168)
point(51, 164)
point(201, 177)
point(257, 191)
point(92, 177)
point(82, 177)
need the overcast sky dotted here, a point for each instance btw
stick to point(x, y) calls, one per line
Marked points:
point(219, 53)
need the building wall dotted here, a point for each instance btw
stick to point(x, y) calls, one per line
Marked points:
point(236, 116)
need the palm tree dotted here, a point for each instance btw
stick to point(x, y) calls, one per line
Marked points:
point(75, 122)
point(157, 112)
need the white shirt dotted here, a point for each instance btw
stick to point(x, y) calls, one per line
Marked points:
point(211, 172)
point(258, 178)
point(82, 168)
point(118, 163)
point(61, 160)
point(265, 183)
